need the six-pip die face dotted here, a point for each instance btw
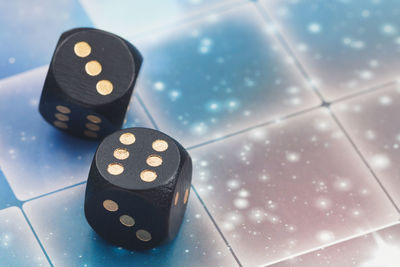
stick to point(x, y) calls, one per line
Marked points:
point(89, 83)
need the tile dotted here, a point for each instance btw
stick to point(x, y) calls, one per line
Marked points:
point(377, 249)
point(129, 18)
point(372, 122)
point(216, 76)
point(136, 116)
point(29, 31)
point(287, 188)
point(345, 45)
point(18, 246)
point(59, 222)
point(35, 157)
point(7, 198)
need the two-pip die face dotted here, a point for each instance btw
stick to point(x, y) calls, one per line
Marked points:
point(138, 188)
point(89, 83)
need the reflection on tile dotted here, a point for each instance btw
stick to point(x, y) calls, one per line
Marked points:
point(27, 38)
point(35, 157)
point(289, 187)
point(372, 121)
point(69, 241)
point(217, 76)
point(7, 197)
point(344, 45)
point(18, 246)
point(129, 18)
point(378, 249)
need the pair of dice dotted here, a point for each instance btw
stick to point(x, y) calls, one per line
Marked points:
point(139, 180)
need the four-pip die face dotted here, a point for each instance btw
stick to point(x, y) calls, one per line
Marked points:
point(138, 188)
point(89, 83)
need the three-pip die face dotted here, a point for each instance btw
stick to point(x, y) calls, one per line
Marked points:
point(138, 188)
point(89, 83)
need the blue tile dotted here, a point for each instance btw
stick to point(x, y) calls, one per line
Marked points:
point(129, 18)
point(219, 75)
point(18, 246)
point(35, 157)
point(29, 31)
point(7, 197)
point(59, 222)
point(345, 45)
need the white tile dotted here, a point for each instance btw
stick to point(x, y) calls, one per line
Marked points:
point(289, 187)
point(377, 249)
point(18, 246)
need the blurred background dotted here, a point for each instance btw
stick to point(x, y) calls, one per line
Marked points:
point(289, 109)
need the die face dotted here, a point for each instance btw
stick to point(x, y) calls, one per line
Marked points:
point(139, 159)
point(181, 196)
point(76, 120)
point(93, 67)
point(126, 219)
point(92, 73)
point(156, 203)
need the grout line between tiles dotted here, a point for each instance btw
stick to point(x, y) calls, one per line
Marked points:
point(270, 122)
point(37, 238)
point(146, 110)
point(286, 46)
point(365, 161)
point(333, 243)
point(365, 92)
point(53, 192)
point(327, 103)
point(216, 226)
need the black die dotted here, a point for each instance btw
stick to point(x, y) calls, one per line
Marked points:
point(138, 188)
point(89, 83)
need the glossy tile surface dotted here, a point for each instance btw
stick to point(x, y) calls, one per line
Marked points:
point(213, 69)
point(30, 30)
point(18, 246)
point(129, 18)
point(372, 120)
point(217, 76)
point(73, 243)
point(7, 197)
point(377, 249)
point(287, 188)
point(345, 46)
point(36, 158)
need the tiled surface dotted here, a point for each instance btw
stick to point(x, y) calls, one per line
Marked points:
point(345, 46)
point(373, 122)
point(18, 246)
point(130, 18)
point(377, 249)
point(36, 158)
point(30, 30)
point(211, 69)
point(7, 197)
point(287, 187)
point(73, 243)
point(199, 84)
